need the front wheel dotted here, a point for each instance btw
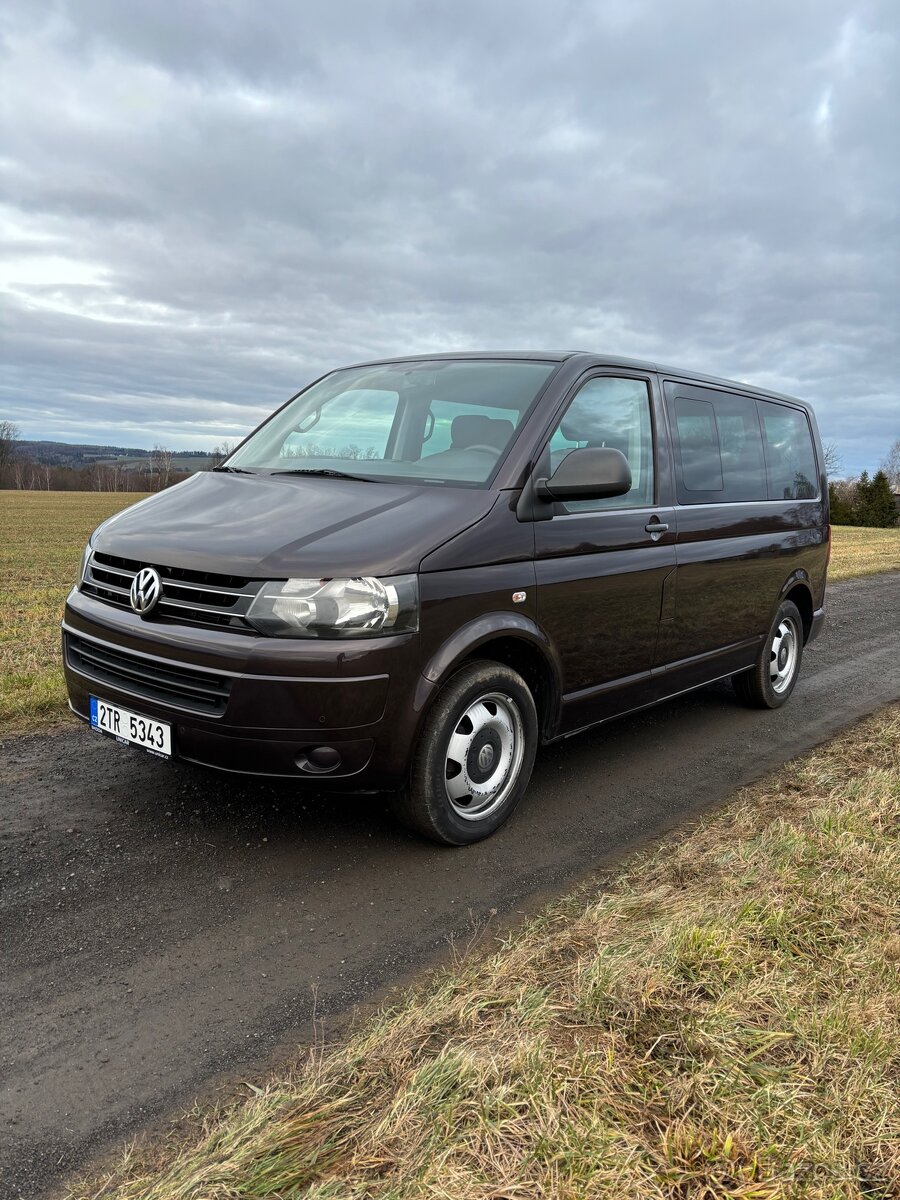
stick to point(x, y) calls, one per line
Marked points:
point(474, 757)
point(771, 680)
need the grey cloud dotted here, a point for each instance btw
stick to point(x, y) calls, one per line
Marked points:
point(255, 195)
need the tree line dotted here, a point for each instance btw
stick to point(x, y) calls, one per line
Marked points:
point(864, 500)
point(153, 474)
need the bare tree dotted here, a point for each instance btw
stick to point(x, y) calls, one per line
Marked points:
point(833, 459)
point(220, 453)
point(161, 462)
point(106, 477)
point(9, 435)
point(890, 464)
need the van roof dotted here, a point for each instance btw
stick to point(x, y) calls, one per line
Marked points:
point(590, 358)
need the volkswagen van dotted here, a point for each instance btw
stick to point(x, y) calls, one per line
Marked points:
point(417, 571)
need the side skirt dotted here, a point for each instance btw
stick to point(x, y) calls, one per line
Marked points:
point(681, 677)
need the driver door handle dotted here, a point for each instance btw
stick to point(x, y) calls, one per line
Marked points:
point(656, 528)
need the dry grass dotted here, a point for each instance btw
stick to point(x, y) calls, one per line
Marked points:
point(44, 534)
point(863, 552)
point(722, 1020)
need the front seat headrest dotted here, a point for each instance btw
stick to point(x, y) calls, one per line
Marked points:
point(470, 429)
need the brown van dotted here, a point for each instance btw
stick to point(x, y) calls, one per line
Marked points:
point(417, 570)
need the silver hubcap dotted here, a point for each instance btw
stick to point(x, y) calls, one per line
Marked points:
point(484, 756)
point(783, 655)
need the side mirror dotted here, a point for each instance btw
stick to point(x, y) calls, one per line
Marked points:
point(590, 474)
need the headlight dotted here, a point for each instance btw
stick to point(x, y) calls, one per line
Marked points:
point(336, 608)
point(85, 559)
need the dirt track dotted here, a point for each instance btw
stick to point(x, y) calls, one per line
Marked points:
point(162, 926)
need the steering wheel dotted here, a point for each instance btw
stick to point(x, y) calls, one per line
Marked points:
point(489, 449)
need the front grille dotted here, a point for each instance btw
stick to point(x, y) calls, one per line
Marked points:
point(188, 597)
point(168, 682)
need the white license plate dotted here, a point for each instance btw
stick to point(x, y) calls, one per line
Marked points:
point(155, 736)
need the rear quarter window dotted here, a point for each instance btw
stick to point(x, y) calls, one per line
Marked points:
point(790, 455)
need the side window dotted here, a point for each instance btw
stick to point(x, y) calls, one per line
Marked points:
point(610, 412)
point(719, 452)
point(790, 457)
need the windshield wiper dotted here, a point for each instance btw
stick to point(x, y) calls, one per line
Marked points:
point(325, 471)
point(235, 470)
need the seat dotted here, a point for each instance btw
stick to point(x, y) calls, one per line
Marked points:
point(472, 431)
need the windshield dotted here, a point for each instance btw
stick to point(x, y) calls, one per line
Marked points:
point(433, 422)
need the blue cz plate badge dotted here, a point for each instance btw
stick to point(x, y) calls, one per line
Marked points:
point(132, 728)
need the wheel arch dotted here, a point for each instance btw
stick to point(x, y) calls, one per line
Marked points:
point(515, 641)
point(798, 590)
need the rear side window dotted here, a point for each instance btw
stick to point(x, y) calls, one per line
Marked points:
point(698, 445)
point(790, 456)
point(718, 449)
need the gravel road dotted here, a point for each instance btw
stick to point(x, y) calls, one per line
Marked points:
point(165, 930)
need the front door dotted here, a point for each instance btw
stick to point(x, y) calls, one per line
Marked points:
point(604, 566)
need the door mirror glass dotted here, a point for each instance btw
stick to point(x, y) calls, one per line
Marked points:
point(588, 474)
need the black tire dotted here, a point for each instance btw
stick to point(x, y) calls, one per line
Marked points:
point(769, 683)
point(491, 781)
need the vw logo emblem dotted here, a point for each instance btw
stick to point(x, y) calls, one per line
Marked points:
point(486, 757)
point(146, 588)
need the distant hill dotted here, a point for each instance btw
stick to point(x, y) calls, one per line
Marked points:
point(69, 454)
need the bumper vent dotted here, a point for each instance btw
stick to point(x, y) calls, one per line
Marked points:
point(168, 683)
point(188, 597)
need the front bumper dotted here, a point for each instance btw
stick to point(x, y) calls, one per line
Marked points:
point(282, 698)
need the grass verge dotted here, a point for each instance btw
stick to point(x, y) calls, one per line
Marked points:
point(857, 552)
point(45, 533)
point(722, 1019)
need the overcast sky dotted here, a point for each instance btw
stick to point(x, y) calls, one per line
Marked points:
point(207, 204)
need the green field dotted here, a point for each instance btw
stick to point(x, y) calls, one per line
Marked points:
point(45, 533)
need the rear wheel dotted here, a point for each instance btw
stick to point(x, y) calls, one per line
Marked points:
point(771, 680)
point(474, 757)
